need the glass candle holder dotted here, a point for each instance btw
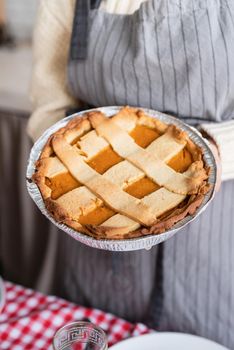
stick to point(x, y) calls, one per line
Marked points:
point(80, 336)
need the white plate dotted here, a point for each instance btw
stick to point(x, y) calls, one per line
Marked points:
point(167, 341)
point(2, 294)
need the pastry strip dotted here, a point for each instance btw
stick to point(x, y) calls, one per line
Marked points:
point(165, 147)
point(153, 167)
point(160, 201)
point(79, 201)
point(121, 222)
point(114, 196)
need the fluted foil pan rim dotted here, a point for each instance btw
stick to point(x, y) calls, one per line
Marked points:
point(144, 242)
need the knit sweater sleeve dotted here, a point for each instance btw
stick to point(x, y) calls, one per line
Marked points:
point(50, 95)
point(49, 92)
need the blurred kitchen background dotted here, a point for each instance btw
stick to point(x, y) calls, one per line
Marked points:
point(22, 260)
point(17, 21)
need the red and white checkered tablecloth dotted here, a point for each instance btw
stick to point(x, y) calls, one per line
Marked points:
point(29, 320)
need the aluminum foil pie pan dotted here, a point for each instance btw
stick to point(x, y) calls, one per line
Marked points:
point(144, 242)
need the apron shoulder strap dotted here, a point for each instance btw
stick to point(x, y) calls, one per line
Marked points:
point(80, 31)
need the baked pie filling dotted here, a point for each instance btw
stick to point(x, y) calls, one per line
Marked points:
point(121, 177)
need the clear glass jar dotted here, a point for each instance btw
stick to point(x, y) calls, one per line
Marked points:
point(80, 336)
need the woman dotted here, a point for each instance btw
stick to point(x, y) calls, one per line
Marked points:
point(174, 56)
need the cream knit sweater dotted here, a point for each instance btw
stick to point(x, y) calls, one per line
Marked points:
point(49, 91)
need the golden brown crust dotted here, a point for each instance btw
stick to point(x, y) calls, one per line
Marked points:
point(101, 232)
point(42, 164)
point(81, 125)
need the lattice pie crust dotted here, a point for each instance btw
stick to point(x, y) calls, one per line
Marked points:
point(121, 177)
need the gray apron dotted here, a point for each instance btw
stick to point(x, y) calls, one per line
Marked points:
point(174, 56)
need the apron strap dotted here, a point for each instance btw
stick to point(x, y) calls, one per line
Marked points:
point(80, 31)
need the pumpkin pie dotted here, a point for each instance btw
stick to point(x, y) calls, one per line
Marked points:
point(126, 176)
